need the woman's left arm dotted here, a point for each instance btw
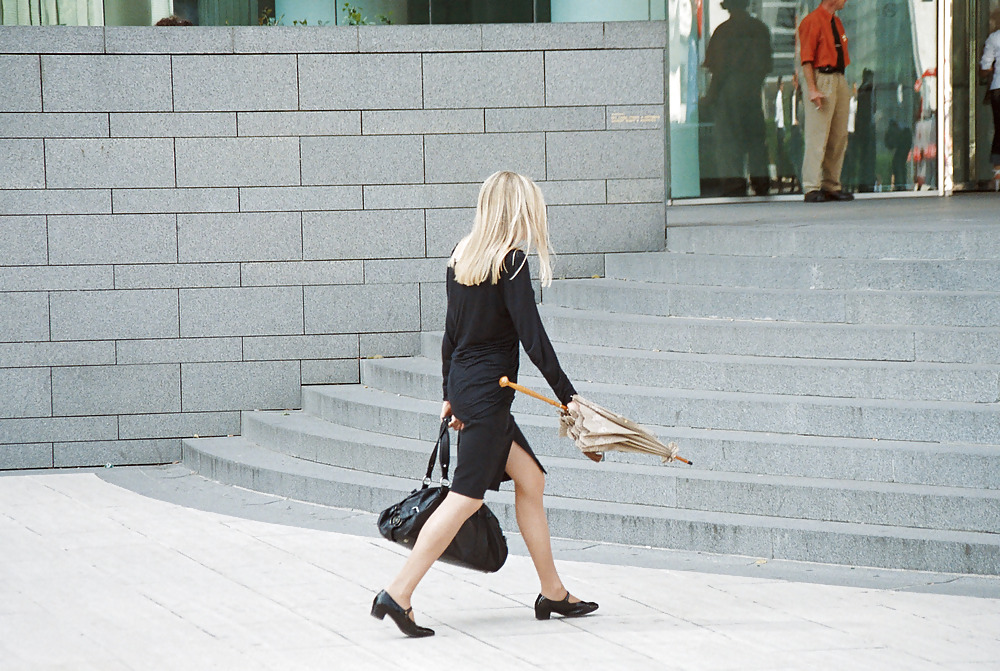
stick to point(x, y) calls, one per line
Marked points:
point(519, 298)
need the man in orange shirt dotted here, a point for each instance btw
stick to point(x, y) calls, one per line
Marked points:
point(823, 48)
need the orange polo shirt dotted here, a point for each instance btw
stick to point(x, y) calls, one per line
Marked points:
point(816, 39)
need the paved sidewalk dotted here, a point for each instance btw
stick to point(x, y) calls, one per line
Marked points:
point(154, 568)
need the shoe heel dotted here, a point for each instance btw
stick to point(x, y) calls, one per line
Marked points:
point(542, 615)
point(378, 611)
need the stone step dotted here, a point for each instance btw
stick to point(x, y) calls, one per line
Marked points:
point(239, 462)
point(782, 272)
point(942, 308)
point(943, 239)
point(946, 464)
point(303, 436)
point(974, 383)
point(925, 421)
point(772, 339)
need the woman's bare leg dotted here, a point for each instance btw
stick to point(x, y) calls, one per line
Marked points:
point(529, 484)
point(434, 538)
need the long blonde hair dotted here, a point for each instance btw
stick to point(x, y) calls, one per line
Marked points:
point(510, 214)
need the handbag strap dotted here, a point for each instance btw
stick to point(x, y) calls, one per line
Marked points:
point(444, 444)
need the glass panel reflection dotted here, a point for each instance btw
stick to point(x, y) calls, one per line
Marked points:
point(737, 96)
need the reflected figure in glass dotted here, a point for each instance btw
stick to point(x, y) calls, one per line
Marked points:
point(738, 57)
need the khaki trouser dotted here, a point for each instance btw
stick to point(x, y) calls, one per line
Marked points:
point(826, 134)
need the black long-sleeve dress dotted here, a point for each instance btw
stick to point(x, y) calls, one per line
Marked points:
point(484, 324)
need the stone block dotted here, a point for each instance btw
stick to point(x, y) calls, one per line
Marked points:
point(635, 191)
point(256, 161)
point(56, 278)
point(420, 38)
point(362, 234)
point(542, 36)
point(25, 456)
point(183, 425)
point(23, 241)
point(331, 371)
point(42, 125)
point(107, 163)
point(51, 429)
point(175, 201)
point(155, 40)
point(477, 80)
point(245, 236)
point(569, 266)
point(25, 392)
point(177, 275)
point(299, 123)
point(179, 350)
point(607, 228)
point(116, 390)
point(295, 39)
point(585, 192)
point(23, 164)
point(112, 238)
point(360, 81)
point(277, 348)
point(299, 198)
point(615, 77)
point(433, 306)
point(43, 354)
point(353, 308)
point(419, 196)
point(24, 316)
point(21, 82)
point(51, 39)
point(383, 159)
point(533, 119)
point(634, 117)
point(635, 34)
point(404, 271)
point(116, 452)
point(473, 158)
point(389, 344)
point(106, 84)
point(446, 227)
point(114, 315)
point(418, 122)
point(234, 83)
point(301, 273)
point(173, 124)
point(605, 155)
point(249, 385)
point(240, 311)
point(55, 201)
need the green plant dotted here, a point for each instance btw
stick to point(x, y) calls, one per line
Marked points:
point(355, 16)
point(267, 18)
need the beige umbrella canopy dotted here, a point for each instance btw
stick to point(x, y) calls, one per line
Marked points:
point(597, 430)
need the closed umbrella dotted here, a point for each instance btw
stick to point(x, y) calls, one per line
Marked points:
point(597, 430)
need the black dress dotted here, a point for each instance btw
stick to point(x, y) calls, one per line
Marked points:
point(484, 324)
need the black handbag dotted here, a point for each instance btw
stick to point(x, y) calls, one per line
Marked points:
point(479, 545)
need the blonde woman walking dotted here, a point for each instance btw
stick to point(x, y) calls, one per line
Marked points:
point(491, 308)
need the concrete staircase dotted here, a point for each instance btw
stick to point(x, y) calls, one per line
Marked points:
point(836, 387)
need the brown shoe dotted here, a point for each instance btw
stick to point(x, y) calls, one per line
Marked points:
point(817, 196)
point(839, 195)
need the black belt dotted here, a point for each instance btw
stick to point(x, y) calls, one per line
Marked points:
point(830, 70)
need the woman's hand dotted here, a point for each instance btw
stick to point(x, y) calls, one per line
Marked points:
point(455, 422)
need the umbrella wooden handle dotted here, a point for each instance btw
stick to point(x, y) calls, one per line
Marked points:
point(504, 382)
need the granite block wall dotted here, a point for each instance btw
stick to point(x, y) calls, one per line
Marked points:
point(198, 221)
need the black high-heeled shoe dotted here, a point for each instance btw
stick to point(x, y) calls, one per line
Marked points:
point(544, 607)
point(385, 605)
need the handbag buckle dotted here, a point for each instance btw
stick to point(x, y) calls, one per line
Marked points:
point(427, 481)
point(445, 482)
